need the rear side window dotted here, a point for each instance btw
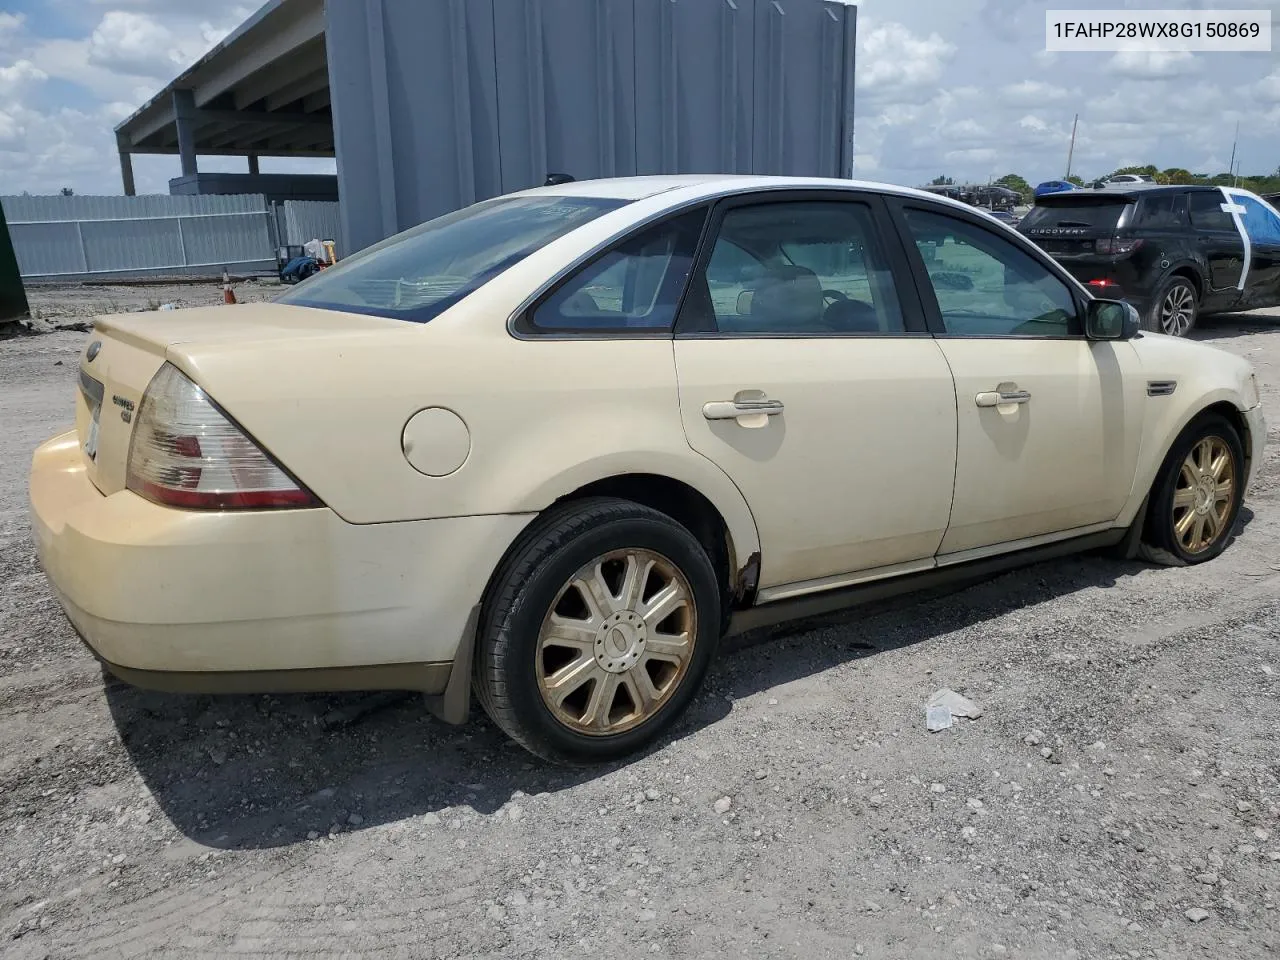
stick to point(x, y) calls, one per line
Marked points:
point(634, 286)
point(1207, 212)
point(418, 274)
point(1161, 211)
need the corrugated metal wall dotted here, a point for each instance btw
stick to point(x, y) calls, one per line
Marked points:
point(439, 103)
point(313, 220)
point(58, 236)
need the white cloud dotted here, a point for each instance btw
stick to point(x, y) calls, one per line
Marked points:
point(20, 74)
point(1153, 64)
point(1268, 88)
point(1032, 93)
point(893, 62)
point(134, 43)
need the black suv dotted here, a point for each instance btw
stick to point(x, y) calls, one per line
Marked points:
point(1174, 252)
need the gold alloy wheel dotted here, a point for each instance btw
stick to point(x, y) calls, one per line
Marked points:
point(1204, 495)
point(617, 643)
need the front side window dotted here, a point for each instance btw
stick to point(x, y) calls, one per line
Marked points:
point(985, 285)
point(634, 286)
point(794, 269)
point(1261, 221)
point(1207, 212)
point(418, 274)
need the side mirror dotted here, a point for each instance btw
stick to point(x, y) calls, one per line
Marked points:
point(1111, 320)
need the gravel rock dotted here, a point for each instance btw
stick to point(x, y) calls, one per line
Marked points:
point(1197, 914)
point(1208, 879)
point(1034, 738)
point(722, 805)
point(1244, 806)
point(960, 706)
point(937, 788)
point(355, 819)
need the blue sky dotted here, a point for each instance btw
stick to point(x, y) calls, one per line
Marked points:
point(956, 87)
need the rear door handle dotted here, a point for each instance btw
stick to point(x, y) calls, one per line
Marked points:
point(996, 398)
point(733, 409)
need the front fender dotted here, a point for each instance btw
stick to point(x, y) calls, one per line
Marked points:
point(1160, 433)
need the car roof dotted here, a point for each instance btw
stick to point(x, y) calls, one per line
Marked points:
point(709, 186)
point(1124, 190)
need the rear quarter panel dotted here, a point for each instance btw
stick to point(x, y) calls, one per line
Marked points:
point(545, 417)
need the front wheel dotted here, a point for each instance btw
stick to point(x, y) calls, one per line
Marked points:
point(599, 628)
point(1174, 308)
point(1197, 495)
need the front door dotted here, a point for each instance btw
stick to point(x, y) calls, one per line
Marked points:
point(1049, 422)
point(1220, 245)
point(1260, 223)
point(807, 374)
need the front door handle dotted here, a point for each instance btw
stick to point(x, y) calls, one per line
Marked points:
point(998, 398)
point(733, 409)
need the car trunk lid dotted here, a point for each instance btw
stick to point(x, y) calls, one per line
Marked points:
point(1069, 225)
point(125, 351)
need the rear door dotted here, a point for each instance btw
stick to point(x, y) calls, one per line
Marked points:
point(807, 374)
point(1221, 247)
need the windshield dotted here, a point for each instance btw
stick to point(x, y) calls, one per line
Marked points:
point(418, 274)
point(1096, 213)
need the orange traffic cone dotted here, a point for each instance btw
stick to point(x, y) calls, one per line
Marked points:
point(228, 295)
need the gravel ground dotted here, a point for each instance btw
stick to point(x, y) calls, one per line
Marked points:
point(59, 306)
point(1119, 797)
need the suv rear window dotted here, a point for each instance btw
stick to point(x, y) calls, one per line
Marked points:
point(418, 274)
point(1101, 213)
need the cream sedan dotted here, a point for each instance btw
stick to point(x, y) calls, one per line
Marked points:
point(553, 446)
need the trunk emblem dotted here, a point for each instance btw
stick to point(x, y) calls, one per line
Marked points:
point(93, 350)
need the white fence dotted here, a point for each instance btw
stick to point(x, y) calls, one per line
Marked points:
point(64, 237)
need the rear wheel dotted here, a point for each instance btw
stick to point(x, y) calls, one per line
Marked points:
point(1197, 495)
point(1174, 308)
point(598, 631)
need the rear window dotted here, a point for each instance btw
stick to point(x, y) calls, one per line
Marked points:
point(418, 274)
point(1096, 212)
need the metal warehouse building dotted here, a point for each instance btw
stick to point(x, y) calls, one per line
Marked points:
point(429, 105)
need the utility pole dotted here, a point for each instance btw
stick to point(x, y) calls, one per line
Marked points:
point(1231, 167)
point(1071, 149)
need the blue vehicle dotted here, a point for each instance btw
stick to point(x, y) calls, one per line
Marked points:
point(1054, 186)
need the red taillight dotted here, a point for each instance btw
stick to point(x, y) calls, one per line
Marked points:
point(1117, 246)
point(185, 452)
point(1103, 283)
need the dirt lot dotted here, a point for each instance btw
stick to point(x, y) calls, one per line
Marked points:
point(1125, 774)
point(56, 306)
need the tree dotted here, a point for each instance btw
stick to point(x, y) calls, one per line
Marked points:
point(1076, 179)
point(1176, 175)
point(1149, 170)
point(941, 182)
point(1014, 182)
point(67, 192)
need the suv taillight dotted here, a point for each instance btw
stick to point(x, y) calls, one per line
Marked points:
point(1117, 246)
point(185, 452)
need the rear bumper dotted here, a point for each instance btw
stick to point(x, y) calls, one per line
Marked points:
point(258, 601)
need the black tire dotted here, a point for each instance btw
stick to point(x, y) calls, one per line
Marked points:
point(1174, 309)
point(522, 593)
point(1161, 542)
